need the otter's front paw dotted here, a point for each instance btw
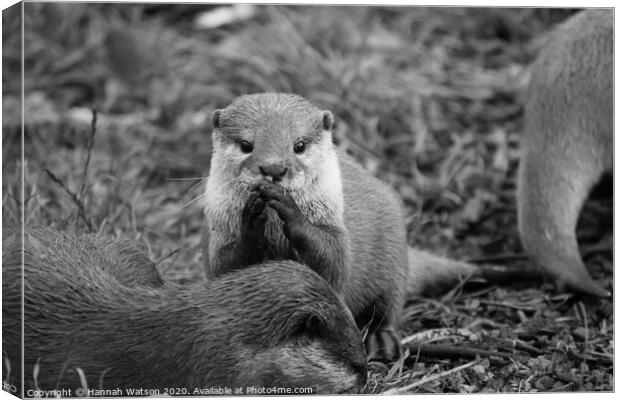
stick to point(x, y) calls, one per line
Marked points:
point(383, 344)
point(253, 220)
point(285, 206)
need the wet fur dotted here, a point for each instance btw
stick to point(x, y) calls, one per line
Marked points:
point(567, 144)
point(84, 308)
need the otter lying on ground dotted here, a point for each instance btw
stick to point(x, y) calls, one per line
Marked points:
point(94, 304)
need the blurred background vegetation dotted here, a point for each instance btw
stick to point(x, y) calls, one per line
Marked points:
point(427, 99)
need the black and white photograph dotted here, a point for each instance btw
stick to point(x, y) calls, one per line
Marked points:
point(296, 199)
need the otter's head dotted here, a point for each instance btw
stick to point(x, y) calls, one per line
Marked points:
point(289, 329)
point(272, 136)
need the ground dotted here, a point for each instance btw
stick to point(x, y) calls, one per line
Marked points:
point(427, 99)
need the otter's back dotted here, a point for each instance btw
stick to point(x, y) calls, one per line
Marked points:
point(375, 222)
point(570, 95)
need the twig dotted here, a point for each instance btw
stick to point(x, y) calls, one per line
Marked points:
point(431, 378)
point(76, 200)
point(516, 344)
point(580, 357)
point(600, 247)
point(449, 351)
point(599, 354)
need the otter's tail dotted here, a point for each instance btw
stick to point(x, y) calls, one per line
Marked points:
point(431, 273)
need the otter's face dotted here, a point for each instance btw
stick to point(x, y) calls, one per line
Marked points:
point(272, 137)
point(293, 330)
point(324, 355)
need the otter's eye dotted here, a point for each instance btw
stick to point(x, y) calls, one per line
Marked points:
point(246, 147)
point(299, 147)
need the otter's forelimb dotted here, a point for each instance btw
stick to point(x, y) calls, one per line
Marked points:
point(317, 246)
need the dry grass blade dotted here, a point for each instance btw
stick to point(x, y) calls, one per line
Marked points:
point(74, 197)
point(91, 142)
point(7, 366)
point(105, 371)
point(167, 256)
point(83, 380)
point(35, 373)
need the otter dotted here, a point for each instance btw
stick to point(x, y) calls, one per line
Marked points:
point(92, 303)
point(567, 144)
point(279, 189)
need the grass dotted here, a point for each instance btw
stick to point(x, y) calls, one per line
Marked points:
point(427, 99)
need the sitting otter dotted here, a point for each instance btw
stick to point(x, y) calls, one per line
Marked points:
point(279, 189)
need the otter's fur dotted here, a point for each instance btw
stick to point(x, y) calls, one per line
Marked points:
point(266, 202)
point(275, 324)
point(567, 143)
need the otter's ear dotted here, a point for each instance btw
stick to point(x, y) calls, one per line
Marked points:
point(328, 120)
point(215, 119)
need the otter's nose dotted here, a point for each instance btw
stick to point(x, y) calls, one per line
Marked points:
point(275, 171)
